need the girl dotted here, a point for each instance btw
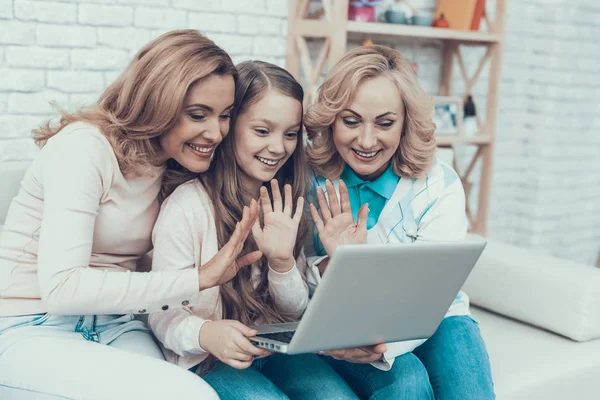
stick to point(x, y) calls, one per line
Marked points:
point(371, 133)
point(210, 335)
point(83, 219)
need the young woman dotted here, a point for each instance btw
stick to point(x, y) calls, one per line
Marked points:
point(210, 335)
point(372, 145)
point(83, 219)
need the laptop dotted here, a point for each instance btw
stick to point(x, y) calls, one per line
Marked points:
point(374, 294)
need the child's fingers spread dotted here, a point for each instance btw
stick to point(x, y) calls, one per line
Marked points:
point(265, 201)
point(277, 202)
point(289, 201)
point(299, 209)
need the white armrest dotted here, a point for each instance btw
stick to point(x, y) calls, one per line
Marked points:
point(555, 294)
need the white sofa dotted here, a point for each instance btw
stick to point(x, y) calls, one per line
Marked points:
point(528, 289)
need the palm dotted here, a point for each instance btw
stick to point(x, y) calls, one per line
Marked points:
point(226, 263)
point(277, 238)
point(337, 227)
point(278, 235)
point(341, 230)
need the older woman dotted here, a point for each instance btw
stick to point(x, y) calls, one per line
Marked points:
point(371, 144)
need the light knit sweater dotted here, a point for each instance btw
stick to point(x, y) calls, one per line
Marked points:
point(75, 231)
point(185, 237)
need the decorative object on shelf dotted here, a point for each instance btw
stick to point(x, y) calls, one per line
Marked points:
point(399, 12)
point(367, 42)
point(462, 15)
point(362, 10)
point(470, 125)
point(447, 115)
point(441, 22)
point(422, 20)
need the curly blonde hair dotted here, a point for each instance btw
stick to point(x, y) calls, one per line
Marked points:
point(417, 144)
point(146, 100)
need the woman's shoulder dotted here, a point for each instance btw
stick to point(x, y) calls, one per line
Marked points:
point(80, 133)
point(189, 195)
point(442, 173)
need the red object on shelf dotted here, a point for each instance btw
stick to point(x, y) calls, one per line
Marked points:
point(441, 22)
point(363, 11)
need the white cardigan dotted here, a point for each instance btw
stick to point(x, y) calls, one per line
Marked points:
point(431, 208)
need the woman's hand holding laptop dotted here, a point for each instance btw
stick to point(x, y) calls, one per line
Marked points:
point(337, 227)
point(359, 355)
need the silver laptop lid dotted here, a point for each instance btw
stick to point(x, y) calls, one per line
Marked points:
point(384, 293)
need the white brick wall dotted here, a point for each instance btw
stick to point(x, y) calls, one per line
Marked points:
point(547, 157)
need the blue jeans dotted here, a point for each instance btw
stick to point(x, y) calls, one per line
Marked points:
point(457, 361)
point(452, 364)
point(304, 376)
point(407, 379)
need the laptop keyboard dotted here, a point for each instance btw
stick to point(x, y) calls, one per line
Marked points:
point(284, 337)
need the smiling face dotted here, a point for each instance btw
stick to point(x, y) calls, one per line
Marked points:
point(367, 132)
point(203, 123)
point(266, 135)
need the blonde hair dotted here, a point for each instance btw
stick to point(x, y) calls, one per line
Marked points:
point(146, 100)
point(417, 144)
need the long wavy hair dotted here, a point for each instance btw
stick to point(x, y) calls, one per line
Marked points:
point(146, 100)
point(240, 300)
point(417, 144)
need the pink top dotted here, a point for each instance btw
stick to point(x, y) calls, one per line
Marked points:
point(185, 237)
point(75, 231)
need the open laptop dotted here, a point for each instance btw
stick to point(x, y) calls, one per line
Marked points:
point(377, 294)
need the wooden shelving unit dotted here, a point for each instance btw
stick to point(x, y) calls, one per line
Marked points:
point(336, 31)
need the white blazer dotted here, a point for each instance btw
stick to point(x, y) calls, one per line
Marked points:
point(431, 208)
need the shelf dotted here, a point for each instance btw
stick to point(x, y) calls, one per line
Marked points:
point(374, 30)
point(446, 140)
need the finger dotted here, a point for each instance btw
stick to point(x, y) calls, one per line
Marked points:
point(316, 219)
point(380, 348)
point(248, 259)
point(247, 347)
point(237, 364)
point(323, 206)
point(241, 356)
point(363, 215)
point(277, 202)
point(265, 201)
point(243, 329)
point(256, 230)
point(289, 201)
point(344, 197)
point(299, 209)
point(334, 204)
point(249, 215)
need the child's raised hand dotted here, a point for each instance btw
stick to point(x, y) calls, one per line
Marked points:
point(226, 263)
point(277, 237)
point(338, 226)
point(228, 341)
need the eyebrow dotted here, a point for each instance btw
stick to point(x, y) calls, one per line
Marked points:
point(385, 114)
point(268, 122)
point(205, 107)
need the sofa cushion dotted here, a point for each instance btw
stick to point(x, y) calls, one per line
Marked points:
point(555, 294)
point(531, 363)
